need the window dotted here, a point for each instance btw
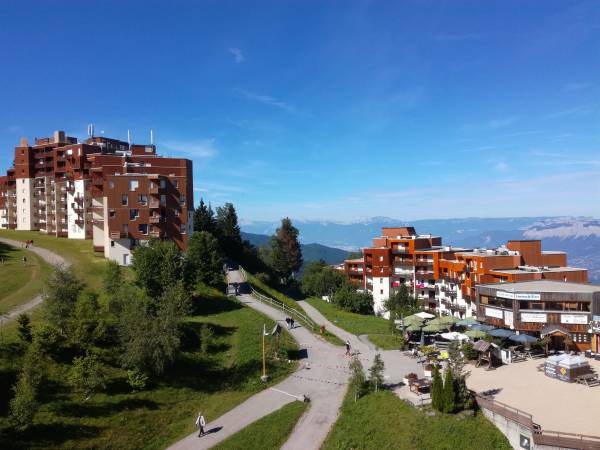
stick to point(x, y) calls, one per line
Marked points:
point(143, 228)
point(23, 200)
point(111, 184)
point(177, 212)
point(134, 213)
point(182, 228)
point(112, 243)
point(381, 291)
point(381, 280)
point(133, 185)
point(163, 200)
point(125, 259)
point(381, 258)
point(124, 200)
point(112, 214)
point(182, 199)
point(163, 184)
point(176, 184)
point(142, 199)
point(125, 228)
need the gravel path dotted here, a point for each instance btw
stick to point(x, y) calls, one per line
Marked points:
point(49, 257)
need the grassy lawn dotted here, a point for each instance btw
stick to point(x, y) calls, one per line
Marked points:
point(80, 253)
point(119, 419)
point(20, 282)
point(354, 323)
point(385, 341)
point(383, 421)
point(268, 433)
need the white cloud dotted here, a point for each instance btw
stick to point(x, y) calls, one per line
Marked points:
point(201, 148)
point(266, 100)
point(238, 55)
point(581, 109)
point(570, 87)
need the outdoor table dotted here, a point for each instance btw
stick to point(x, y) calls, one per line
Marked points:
point(587, 378)
point(417, 385)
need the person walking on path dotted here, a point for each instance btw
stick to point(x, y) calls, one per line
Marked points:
point(287, 322)
point(348, 348)
point(291, 323)
point(200, 424)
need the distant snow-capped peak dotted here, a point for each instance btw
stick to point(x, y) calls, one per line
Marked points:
point(567, 227)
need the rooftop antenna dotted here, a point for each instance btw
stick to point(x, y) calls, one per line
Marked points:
point(151, 137)
point(90, 130)
point(129, 137)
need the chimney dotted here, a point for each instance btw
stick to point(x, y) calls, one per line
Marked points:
point(59, 136)
point(23, 142)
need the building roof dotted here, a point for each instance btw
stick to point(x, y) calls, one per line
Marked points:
point(357, 260)
point(544, 286)
point(537, 270)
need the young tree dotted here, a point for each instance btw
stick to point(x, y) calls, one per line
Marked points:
point(357, 381)
point(376, 373)
point(204, 262)
point(286, 254)
point(319, 279)
point(87, 375)
point(60, 297)
point(437, 390)
point(85, 319)
point(24, 328)
point(346, 297)
point(24, 404)
point(157, 266)
point(112, 281)
point(228, 231)
point(448, 394)
point(204, 218)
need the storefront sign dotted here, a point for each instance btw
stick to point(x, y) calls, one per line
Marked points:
point(578, 319)
point(491, 312)
point(508, 319)
point(534, 317)
point(517, 295)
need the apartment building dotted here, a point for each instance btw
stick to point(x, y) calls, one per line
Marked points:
point(117, 194)
point(443, 278)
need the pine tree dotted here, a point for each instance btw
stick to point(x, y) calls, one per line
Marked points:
point(356, 385)
point(376, 373)
point(228, 231)
point(204, 218)
point(24, 328)
point(204, 262)
point(448, 394)
point(437, 389)
point(286, 254)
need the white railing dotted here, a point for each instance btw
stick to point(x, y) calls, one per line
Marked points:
point(279, 305)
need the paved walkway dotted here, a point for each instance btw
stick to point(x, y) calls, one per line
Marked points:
point(322, 376)
point(47, 256)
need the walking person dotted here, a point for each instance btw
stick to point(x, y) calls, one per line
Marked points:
point(287, 322)
point(348, 348)
point(291, 323)
point(200, 424)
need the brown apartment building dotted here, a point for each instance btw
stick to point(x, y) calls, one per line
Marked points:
point(443, 277)
point(117, 194)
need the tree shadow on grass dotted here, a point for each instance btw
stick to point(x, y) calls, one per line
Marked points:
point(46, 435)
point(205, 306)
point(191, 335)
point(8, 378)
point(73, 409)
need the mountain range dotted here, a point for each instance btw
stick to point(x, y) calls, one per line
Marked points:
point(578, 236)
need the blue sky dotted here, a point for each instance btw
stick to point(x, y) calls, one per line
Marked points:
point(327, 110)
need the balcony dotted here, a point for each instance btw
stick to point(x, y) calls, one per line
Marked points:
point(156, 234)
point(156, 219)
point(154, 190)
point(118, 234)
point(399, 250)
point(79, 222)
point(154, 205)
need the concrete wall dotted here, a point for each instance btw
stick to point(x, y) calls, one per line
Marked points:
point(119, 250)
point(25, 204)
point(76, 231)
point(380, 284)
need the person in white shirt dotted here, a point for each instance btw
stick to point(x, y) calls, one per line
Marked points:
point(200, 424)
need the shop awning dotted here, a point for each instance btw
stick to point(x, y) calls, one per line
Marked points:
point(554, 329)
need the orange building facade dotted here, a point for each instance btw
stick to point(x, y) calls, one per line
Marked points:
point(117, 194)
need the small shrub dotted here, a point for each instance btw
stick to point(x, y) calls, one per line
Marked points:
point(206, 338)
point(137, 380)
point(469, 351)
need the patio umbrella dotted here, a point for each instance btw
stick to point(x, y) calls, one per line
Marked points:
point(412, 328)
point(501, 333)
point(476, 334)
point(467, 322)
point(412, 320)
point(424, 315)
point(523, 338)
point(482, 327)
point(433, 328)
point(454, 336)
